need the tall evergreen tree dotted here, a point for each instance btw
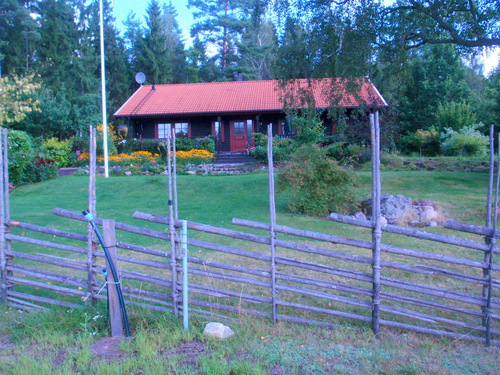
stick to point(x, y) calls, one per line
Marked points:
point(60, 40)
point(174, 44)
point(152, 55)
point(258, 46)
point(19, 37)
point(220, 24)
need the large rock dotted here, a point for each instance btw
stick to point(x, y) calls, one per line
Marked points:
point(218, 330)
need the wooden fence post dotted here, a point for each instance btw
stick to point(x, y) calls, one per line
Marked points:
point(8, 243)
point(91, 246)
point(115, 314)
point(272, 209)
point(488, 239)
point(489, 309)
point(2, 230)
point(377, 231)
point(173, 254)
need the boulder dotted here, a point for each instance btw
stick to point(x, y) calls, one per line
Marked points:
point(360, 215)
point(218, 330)
point(401, 210)
point(397, 209)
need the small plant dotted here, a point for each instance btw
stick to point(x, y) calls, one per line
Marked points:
point(317, 184)
point(60, 151)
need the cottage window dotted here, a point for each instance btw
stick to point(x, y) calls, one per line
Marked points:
point(181, 129)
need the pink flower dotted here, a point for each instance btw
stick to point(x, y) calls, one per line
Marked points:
point(153, 161)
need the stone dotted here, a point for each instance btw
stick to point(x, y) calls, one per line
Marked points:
point(218, 330)
point(360, 215)
point(432, 224)
point(428, 213)
point(383, 220)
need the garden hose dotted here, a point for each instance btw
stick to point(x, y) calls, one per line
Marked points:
point(90, 218)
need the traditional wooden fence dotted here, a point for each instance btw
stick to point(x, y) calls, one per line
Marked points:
point(319, 278)
point(443, 286)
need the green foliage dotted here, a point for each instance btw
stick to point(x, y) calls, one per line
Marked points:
point(316, 183)
point(60, 151)
point(435, 75)
point(20, 154)
point(282, 148)
point(455, 115)
point(425, 142)
point(468, 141)
point(25, 164)
point(40, 169)
point(349, 153)
point(309, 126)
point(16, 99)
point(184, 144)
point(206, 143)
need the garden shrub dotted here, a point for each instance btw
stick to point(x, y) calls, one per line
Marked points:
point(184, 144)
point(40, 169)
point(20, 155)
point(425, 142)
point(206, 143)
point(282, 148)
point(60, 151)
point(468, 141)
point(349, 154)
point(316, 183)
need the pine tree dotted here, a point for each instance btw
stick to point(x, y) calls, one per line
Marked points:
point(152, 53)
point(19, 37)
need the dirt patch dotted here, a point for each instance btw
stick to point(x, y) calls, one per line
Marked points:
point(108, 347)
point(190, 350)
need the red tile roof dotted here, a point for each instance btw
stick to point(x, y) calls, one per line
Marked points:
point(246, 96)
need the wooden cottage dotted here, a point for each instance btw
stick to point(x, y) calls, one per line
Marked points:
point(232, 111)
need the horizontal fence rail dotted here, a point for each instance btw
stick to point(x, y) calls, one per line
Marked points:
point(319, 278)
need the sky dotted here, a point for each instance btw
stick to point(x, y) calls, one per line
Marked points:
point(185, 19)
point(122, 8)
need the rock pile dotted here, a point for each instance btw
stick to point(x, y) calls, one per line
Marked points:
point(400, 210)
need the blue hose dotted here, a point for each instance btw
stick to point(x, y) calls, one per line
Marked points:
point(90, 218)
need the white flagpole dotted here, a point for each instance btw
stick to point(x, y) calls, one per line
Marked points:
point(103, 94)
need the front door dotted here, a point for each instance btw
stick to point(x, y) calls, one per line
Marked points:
point(241, 134)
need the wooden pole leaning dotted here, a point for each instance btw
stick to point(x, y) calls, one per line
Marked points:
point(272, 210)
point(115, 314)
point(376, 220)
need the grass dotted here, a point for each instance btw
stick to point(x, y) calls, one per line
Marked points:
point(60, 341)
